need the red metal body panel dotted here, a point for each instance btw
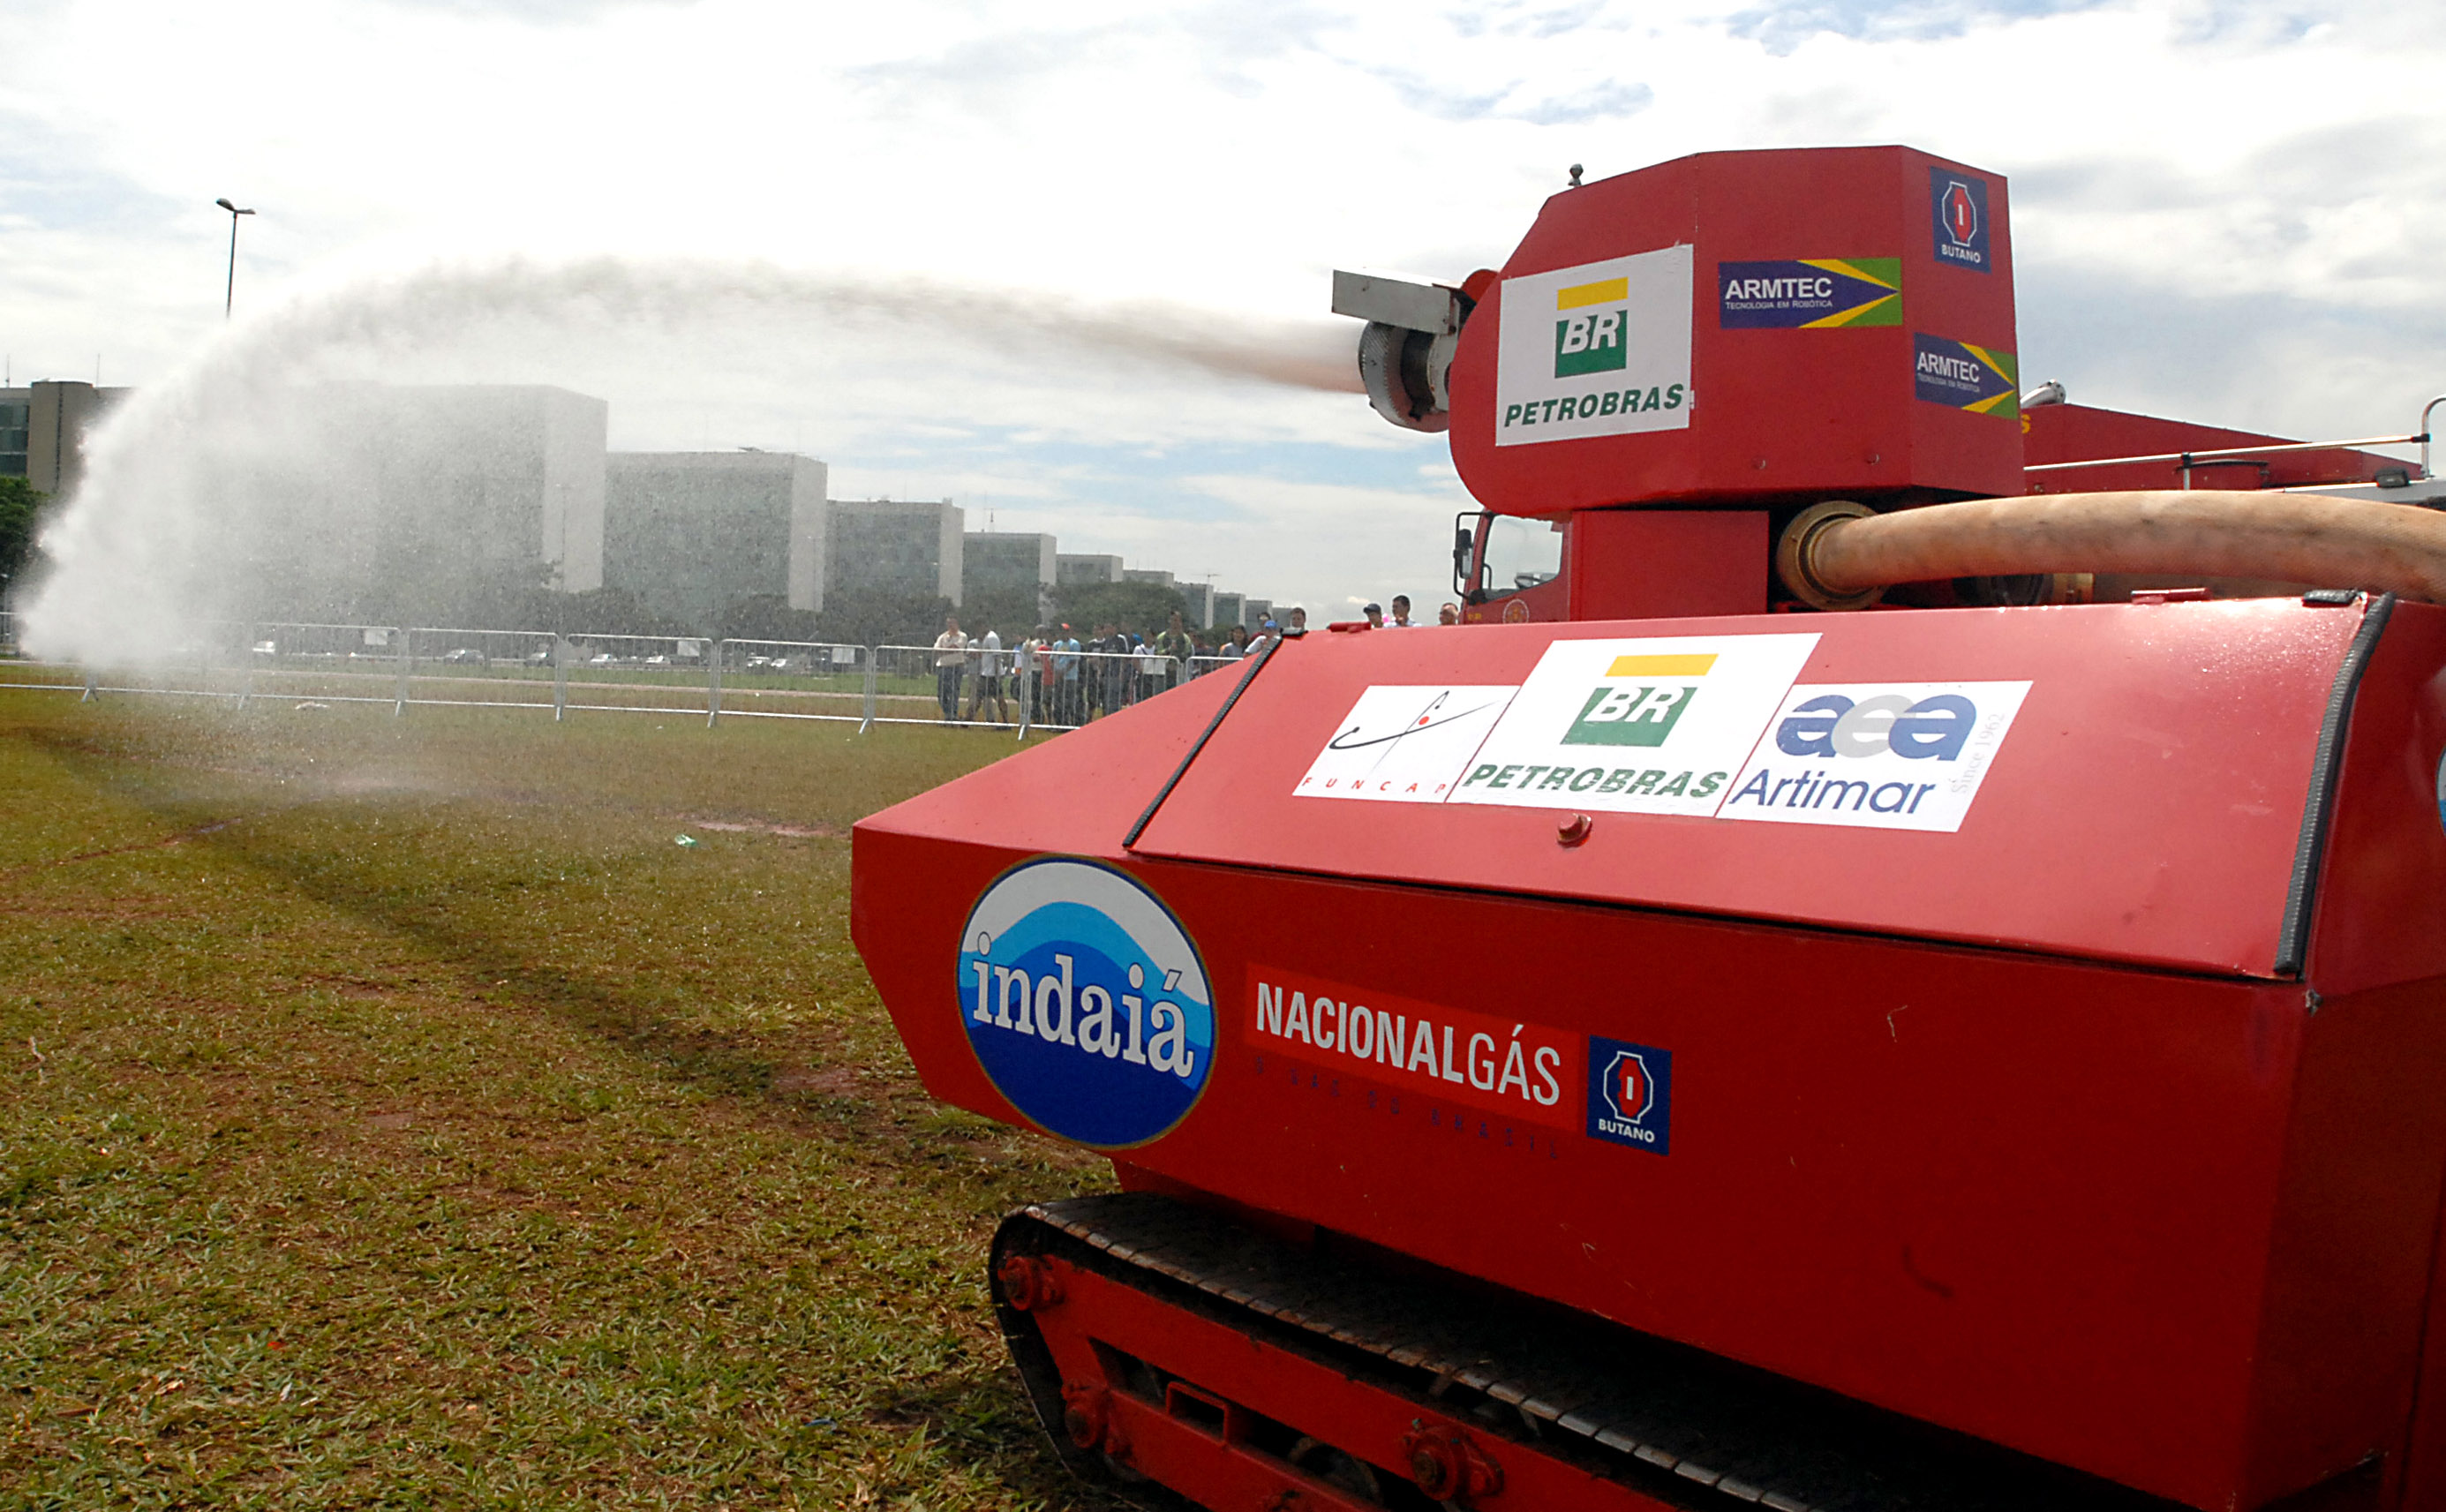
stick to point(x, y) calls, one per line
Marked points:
point(2164, 753)
point(2169, 1226)
point(2061, 433)
point(1792, 411)
point(1665, 563)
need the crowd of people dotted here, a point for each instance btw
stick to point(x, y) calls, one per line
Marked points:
point(1057, 678)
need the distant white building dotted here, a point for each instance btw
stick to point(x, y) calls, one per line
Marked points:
point(1147, 574)
point(883, 545)
point(1228, 610)
point(1072, 567)
point(1008, 566)
point(693, 532)
point(1199, 597)
point(42, 431)
point(418, 500)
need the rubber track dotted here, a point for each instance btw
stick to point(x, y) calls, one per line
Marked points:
point(1673, 1422)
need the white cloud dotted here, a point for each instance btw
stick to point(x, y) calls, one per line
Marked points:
point(2221, 211)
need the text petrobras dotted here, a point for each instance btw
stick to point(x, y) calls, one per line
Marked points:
point(1602, 349)
point(1710, 728)
point(1085, 1002)
point(1517, 1069)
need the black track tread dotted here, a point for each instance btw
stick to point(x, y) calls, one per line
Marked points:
point(1678, 1425)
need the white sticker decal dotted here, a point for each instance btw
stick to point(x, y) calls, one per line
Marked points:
point(1403, 744)
point(1655, 724)
point(1599, 350)
point(1877, 755)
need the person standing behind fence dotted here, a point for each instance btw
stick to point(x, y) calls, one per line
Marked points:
point(1025, 678)
point(1070, 709)
point(1150, 664)
point(987, 651)
point(1176, 647)
point(1116, 668)
point(950, 659)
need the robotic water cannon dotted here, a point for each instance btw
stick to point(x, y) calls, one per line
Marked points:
point(1684, 1049)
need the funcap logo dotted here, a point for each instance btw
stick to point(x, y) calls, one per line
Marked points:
point(1630, 1094)
point(1641, 700)
point(1593, 336)
point(1086, 1003)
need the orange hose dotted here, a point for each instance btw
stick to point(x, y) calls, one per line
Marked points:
point(2311, 539)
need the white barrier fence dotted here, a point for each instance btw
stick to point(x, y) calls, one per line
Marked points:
point(406, 667)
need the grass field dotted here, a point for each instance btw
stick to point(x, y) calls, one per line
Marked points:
point(397, 1117)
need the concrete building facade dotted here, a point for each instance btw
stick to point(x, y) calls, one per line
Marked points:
point(693, 532)
point(418, 500)
point(1007, 567)
point(43, 428)
point(1226, 611)
point(1148, 575)
point(1074, 568)
point(882, 545)
point(1199, 599)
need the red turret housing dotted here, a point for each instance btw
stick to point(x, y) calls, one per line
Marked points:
point(1734, 327)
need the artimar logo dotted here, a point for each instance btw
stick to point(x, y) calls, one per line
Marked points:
point(1630, 1094)
point(1641, 700)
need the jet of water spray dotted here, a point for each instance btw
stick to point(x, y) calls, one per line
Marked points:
point(167, 521)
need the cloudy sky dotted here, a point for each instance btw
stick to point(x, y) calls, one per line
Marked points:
point(2224, 212)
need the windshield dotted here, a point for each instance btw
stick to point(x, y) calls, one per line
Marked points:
point(1521, 553)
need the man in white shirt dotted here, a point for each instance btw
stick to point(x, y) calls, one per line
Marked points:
point(987, 649)
point(1401, 614)
point(950, 659)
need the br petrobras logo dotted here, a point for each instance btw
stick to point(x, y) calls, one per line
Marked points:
point(1640, 701)
point(1960, 203)
point(1086, 1003)
point(1630, 1094)
point(1593, 334)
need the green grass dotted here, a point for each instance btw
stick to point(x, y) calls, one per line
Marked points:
point(394, 1115)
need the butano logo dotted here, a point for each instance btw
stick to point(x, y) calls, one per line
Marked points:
point(1086, 1003)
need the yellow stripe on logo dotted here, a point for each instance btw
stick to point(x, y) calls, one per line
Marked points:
point(1694, 664)
point(1610, 291)
point(1846, 269)
point(1845, 317)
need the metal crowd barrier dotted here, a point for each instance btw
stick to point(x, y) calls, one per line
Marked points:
point(1026, 688)
point(1022, 689)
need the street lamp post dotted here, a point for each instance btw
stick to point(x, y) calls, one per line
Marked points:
point(229, 296)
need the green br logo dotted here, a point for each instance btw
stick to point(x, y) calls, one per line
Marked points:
point(1641, 700)
point(1593, 340)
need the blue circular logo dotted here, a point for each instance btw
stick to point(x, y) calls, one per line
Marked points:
point(1086, 1003)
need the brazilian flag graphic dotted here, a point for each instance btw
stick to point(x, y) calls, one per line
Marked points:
point(1810, 293)
point(1979, 379)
